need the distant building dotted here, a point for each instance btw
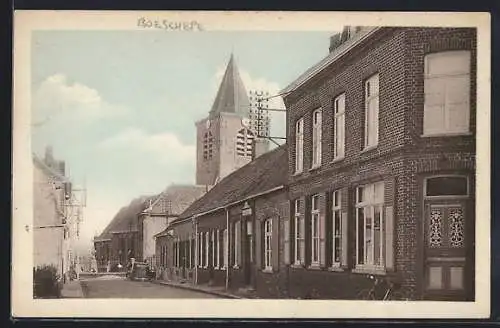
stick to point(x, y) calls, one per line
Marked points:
point(55, 221)
point(227, 138)
point(158, 214)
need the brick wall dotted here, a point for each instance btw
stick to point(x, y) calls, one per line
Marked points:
point(401, 158)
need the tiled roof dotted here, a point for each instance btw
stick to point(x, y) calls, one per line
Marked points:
point(126, 218)
point(232, 96)
point(262, 174)
point(341, 50)
point(175, 199)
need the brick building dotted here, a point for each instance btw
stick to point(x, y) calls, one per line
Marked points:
point(381, 165)
point(231, 236)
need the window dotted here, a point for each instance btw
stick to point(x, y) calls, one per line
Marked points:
point(244, 143)
point(315, 230)
point(268, 235)
point(237, 232)
point(446, 186)
point(207, 236)
point(219, 249)
point(371, 111)
point(299, 145)
point(214, 250)
point(299, 235)
point(336, 229)
point(447, 93)
point(316, 156)
point(207, 145)
point(225, 248)
point(369, 225)
point(339, 126)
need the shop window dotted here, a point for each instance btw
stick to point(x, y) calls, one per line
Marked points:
point(268, 235)
point(299, 234)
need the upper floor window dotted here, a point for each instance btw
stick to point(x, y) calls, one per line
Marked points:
point(316, 155)
point(371, 111)
point(315, 226)
point(244, 143)
point(268, 236)
point(447, 93)
point(339, 126)
point(299, 145)
point(369, 225)
point(208, 145)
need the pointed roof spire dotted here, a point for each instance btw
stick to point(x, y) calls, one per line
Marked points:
point(232, 96)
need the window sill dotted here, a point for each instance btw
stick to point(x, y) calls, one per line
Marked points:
point(315, 266)
point(236, 266)
point(296, 173)
point(297, 265)
point(369, 270)
point(338, 159)
point(267, 270)
point(444, 134)
point(336, 269)
point(314, 167)
point(369, 148)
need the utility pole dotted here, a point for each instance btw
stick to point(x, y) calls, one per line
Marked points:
point(259, 108)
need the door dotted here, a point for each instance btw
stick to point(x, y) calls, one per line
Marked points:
point(448, 261)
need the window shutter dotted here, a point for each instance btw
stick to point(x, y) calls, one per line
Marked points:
point(389, 238)
point(258, 244)
point(344, 239)
point(238, 243)
point(275, 244)
point(322, 231)
point(286, 239)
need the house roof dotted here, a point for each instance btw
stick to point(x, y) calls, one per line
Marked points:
point(335, 54)
point(265, 173)
point(232, 96)
point(125, 219)
point(175, 199)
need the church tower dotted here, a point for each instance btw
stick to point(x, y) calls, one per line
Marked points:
point(225, 139)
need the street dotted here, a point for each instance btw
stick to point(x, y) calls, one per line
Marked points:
point(122, 288)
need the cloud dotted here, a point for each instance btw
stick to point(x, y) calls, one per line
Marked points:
point(253, 83)
point(165, 146)
point(56, 96)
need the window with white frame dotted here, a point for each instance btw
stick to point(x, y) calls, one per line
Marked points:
point(225, 248)
point(447, 93)
point(371, 110)
point(315, 230)
point(336, 228)
point(200, 249)
point(268, 237)
point(316, 137)
point(219, 259)
point(339, 126)
point(214, 250)
point(207, 237)
point(299, 145)
point(299, 234)
point(370, 225)
point(236, 241)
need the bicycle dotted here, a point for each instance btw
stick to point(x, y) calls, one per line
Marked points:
point(383, 289)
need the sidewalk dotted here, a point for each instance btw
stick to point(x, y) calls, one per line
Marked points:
point(214, 290)
point(72, 289)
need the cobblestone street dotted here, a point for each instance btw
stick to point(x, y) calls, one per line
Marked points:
point(122, 288)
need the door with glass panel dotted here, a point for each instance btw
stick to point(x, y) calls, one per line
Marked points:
point(449, 235)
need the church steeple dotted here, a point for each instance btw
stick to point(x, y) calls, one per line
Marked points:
point(232, 96)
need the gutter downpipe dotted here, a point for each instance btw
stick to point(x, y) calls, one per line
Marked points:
point(227, 248)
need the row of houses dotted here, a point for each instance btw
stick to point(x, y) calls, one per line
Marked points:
point(377, 177)
point(56, 216)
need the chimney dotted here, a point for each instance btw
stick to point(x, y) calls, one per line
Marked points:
point(339, 38)
point(334, 41)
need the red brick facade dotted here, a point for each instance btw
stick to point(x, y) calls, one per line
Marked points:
point(402, 158)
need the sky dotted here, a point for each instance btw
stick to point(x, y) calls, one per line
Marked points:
point(120, 106)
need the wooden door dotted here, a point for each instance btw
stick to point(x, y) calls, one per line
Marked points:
point(448, 267)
